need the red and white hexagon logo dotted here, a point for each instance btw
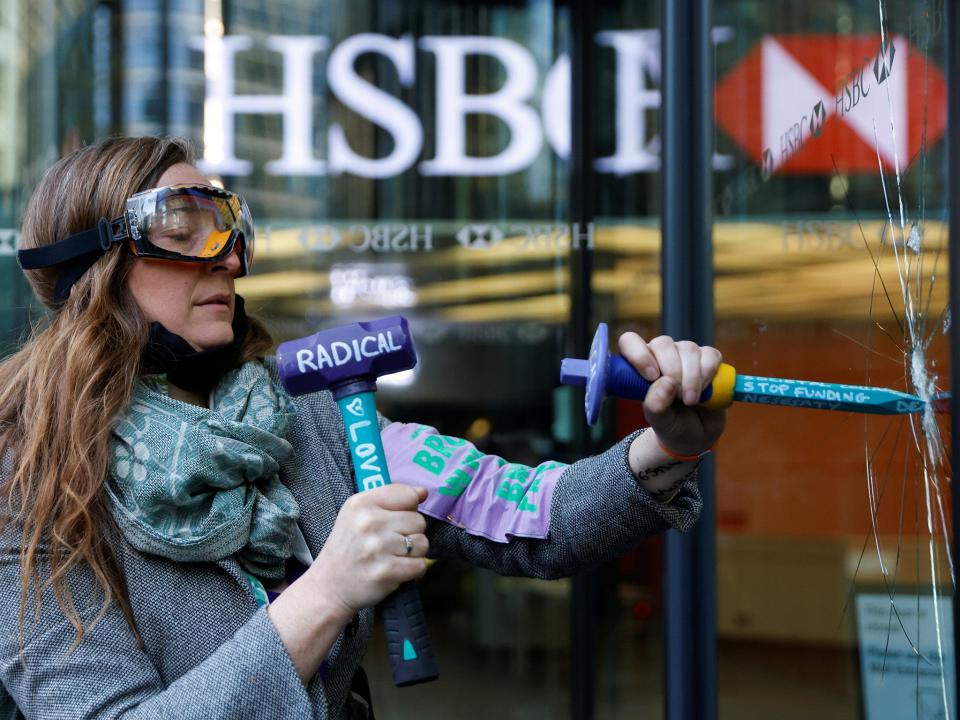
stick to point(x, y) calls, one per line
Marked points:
point(814, 100)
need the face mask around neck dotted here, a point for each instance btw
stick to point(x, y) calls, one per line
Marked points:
point(191, 369)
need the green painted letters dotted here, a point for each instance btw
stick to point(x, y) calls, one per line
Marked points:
point(431, 463)
point(455, 483)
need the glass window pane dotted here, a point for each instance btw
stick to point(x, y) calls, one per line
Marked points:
point(830, 261)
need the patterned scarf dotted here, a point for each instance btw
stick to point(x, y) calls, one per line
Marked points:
point(197, 484)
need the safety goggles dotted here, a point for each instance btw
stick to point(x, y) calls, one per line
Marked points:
point(182, 223)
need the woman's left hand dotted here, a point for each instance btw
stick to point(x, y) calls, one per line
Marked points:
point(678, 371)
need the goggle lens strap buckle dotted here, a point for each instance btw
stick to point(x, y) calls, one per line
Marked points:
point(111, 232)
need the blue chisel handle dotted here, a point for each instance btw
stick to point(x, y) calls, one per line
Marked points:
point(408, 644)
point(607, 374)
point(624, 381)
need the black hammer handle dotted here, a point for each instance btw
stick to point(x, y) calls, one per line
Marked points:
point(408, 643)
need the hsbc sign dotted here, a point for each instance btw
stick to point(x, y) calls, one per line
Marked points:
point(533, 112)
point(805, 104)
point(775, 103)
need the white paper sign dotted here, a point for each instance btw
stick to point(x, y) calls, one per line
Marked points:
point(898, 683)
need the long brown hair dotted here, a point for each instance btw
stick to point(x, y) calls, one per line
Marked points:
point(62, 391)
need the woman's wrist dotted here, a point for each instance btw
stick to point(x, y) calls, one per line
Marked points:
point(681, 457)
point(655, 470)
point(308, 624)
point(648, 451)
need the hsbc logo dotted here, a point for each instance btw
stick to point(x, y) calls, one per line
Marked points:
point(531, 104)
point(554, 237)
point(479, 236)
point(9, 239)
point(802, 115)
point(767, 164)
point(884, 62)
point(818, 119)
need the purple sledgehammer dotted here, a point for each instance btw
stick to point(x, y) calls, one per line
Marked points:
point(347, 360)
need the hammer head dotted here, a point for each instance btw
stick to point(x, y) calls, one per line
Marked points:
point(357, 352)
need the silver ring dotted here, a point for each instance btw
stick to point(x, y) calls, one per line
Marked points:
point(408, 544)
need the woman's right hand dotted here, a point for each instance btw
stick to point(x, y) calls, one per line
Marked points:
point(365, 557)
point(362, 562)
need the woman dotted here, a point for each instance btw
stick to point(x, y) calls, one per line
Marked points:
point(158, 478)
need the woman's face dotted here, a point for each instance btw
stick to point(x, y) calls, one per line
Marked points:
point(192, 300)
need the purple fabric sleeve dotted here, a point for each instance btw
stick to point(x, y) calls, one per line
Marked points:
point(483, 494)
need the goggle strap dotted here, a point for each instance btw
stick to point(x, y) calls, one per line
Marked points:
point(95, 240)
point(76, 254)
point(72, 271)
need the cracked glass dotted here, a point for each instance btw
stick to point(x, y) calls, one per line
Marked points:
point(833, 568)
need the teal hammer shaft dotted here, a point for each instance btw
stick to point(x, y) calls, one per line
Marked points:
point(408, 642)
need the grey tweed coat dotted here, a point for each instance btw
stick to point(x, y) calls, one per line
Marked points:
point(210, 652)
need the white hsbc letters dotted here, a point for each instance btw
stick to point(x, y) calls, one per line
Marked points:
point(637, 69)
point(374, 104)
point(222, 104)
point(638, 55)
point(509, 104)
